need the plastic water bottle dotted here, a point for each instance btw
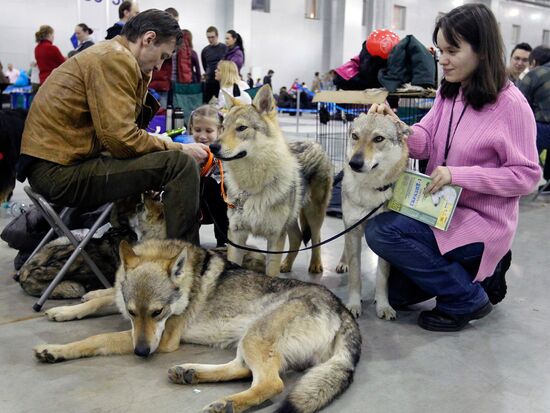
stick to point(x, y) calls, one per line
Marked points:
point(17, 209)
point(12, 209)
point(177, 118)
point(169, 122)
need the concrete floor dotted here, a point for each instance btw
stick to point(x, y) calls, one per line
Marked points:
point(497, 364)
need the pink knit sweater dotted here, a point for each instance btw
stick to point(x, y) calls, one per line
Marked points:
point(493, 157)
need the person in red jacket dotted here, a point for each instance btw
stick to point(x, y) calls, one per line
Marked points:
point(47, 56)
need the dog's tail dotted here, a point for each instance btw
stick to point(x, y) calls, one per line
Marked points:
point(326, 381)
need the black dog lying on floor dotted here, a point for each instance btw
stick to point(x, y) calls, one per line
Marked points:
point(12, 123)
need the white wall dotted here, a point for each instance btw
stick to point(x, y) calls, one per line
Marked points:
point(282, 40)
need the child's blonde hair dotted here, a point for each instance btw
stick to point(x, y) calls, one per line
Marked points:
point(229, 74)
point(207, 112)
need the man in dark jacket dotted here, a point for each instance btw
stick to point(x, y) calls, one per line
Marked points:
point(210, 56)
point(126, 11)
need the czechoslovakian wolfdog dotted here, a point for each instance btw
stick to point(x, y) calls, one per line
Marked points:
point(271, 183)
point(173, 291)
point(377, 155)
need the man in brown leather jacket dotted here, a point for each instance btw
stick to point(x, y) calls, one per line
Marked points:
point(97, 102)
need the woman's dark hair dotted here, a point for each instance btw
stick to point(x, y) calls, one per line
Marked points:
point(160, 22)
point(540, 55)
point(238, 39)
point(124, 6)
point(85, 28)
point(188, 36)
point(476, 25)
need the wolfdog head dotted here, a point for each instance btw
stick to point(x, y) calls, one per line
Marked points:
point(148, 219)
point(153, 283)
point(249, 130)
point(378, 144)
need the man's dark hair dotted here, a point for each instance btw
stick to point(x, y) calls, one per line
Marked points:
point(124, 6)
point(212, 29)
point(316, 73)
point(476, 25)
point(173, 12)
point(522, 46)
point(270, 72)
point(158, 21)
point(540, 55)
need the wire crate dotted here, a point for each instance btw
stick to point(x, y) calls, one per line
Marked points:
point(334, 120)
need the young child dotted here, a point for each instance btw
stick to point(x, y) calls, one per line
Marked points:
point(204, 126)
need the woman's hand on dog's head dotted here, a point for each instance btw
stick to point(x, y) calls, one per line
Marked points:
point(383, 109)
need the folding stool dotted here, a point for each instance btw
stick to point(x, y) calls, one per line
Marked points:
point(58, 226)
point(543, 189)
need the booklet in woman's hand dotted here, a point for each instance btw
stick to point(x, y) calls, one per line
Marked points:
point(435, 209)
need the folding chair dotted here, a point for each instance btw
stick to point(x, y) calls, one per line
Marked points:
point(544, 189)
point(59, 227)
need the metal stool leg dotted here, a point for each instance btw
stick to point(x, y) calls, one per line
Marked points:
point(541, 190)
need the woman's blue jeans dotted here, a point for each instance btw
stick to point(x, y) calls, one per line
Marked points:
point(422, 271)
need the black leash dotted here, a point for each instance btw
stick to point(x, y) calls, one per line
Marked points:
point(244, 247)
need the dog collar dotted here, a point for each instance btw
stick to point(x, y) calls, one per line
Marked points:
point(384, 188)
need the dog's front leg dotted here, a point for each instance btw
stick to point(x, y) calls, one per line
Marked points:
point(100, 306)
point(171, 336)
point(273, 264)
point(99, 345)
point(383, 308)
point(353, 253)
point(234, 254)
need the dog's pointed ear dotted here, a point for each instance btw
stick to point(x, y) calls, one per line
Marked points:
point(263, 101)
point(229, 100)
point(176, 267)
point(403, 130)
point(128, 258)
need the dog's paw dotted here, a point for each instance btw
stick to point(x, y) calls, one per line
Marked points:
point(385, 312)
point(49, 353)
point(286, 266)
point(220, 406)
point(182, 375)
point(355, 308)
point(62, 313)
point(315, 268)
point(342, 267)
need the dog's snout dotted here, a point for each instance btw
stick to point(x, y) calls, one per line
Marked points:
point(356, 162)
point(142, 350)
point(215, 148)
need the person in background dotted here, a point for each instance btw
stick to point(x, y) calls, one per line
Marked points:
point(480, 135)
point(83, 33)
point(258, 83)
point(48, 57)
point(519, 62)
point(34, 76)
point(195, 65)
point(536, 88)
point(249, 80)
point(12, 73)
point(4, 81)
point(126, 11)
point(227, 74)
point(235, 49)
point(210, 56)
point(267, 78)
point(316, 83)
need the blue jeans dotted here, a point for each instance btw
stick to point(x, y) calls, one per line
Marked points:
point(423, 272)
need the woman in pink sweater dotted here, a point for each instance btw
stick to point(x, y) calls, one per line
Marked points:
point(480, 134)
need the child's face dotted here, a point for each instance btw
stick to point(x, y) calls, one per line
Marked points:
point(204, 131)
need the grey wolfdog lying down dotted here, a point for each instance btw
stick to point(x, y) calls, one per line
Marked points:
point(175, 292)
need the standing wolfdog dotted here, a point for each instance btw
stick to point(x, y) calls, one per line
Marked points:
point(377, 156)
point(271, 184)
point(173, 291)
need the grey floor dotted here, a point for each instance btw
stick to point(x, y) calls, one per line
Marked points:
point(498, 364)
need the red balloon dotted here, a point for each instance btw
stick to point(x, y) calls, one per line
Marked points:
point(381, 42)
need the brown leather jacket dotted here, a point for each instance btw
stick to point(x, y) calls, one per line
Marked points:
point(94, 102)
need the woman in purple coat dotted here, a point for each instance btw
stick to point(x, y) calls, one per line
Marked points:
point(235, 48)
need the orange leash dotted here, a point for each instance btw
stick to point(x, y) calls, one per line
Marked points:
point(222, 186)
point(208, 164)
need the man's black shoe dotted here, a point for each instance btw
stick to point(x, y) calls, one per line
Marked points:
point(437, 320)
